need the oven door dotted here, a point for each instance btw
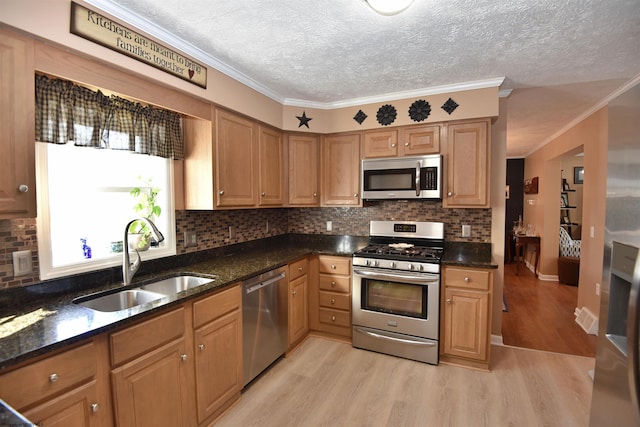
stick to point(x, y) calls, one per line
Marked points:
point(401, 302)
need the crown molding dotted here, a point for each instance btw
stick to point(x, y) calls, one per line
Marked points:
point(619, 91)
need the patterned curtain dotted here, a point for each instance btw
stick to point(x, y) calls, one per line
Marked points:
point(68, 112)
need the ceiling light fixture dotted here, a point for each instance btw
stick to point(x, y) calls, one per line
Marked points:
point(389, 7)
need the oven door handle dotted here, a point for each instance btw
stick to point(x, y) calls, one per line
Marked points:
point(404, 341)
point(428, 280)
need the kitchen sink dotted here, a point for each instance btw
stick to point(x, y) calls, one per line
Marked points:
point(176, 284)
point(118, 301)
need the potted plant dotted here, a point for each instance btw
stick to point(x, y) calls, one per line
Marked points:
point(146, 197)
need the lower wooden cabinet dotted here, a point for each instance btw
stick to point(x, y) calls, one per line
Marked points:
point(298, 302)
point(218, 352)
point(466, 317)
point(77, 407)
point(330, 296)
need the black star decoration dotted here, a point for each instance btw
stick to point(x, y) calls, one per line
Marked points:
point(304, 120)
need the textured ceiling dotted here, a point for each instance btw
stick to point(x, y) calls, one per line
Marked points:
point(560, 57)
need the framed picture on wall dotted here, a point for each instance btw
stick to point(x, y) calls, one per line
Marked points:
point(578, 175)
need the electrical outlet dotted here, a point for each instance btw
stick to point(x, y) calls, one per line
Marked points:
point(329, 225)
point(22, 264)
point(232, 232)
point(266, 228)
point(190, 239)
point(592, 232)
point(597, 288)
point(466, 231)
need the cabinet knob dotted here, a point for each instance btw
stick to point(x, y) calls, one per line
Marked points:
point(333, 284)
point(355, 195)
point(53, 378)
point(333, 318)
point(333, 301)
point(95, 407)
point(449, 194)
point(467, 280)
point(23, 188)
point(406, 144)
point(222, 192)
point(448, 300)
point(393, 145)
point(184, 357)
point(315, 194)
point(299, 268)
point(264, 194)
point(202, 347)
point(294, 293)
point(333, 266)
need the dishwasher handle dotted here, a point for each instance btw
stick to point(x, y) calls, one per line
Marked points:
point(262, 284)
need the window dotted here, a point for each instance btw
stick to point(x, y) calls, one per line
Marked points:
point(83, 193)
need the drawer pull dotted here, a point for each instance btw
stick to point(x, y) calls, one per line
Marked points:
point(333, 318)
point(333, 266)
point(184, 357)
point(299, 268)
point(467, 280)
point(333, 301)
point(202, 347)
point(333, 284)
point(406, 144)
point(294, 293)
point(264, 194)
point(53, 378)
point(95, 407)
point(222, 192)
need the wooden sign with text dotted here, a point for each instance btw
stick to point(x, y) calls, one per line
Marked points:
point(108, 33)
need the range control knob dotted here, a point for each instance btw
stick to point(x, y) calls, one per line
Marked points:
point(375, 263)
point(392, 264)
point(420, 267)
point(367, 262)
point(410, 266)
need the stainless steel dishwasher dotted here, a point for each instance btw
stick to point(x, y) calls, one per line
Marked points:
point(264, 321)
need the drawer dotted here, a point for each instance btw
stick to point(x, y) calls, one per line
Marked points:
point(297, 269)
point(335, 265)
point(210, 308)
point(49, 377)
point(335, 317)
point(467, 278)
point(139, 339)
point(333, 300)
point(335, 283)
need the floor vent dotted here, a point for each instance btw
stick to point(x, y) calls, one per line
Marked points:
point(587, 321)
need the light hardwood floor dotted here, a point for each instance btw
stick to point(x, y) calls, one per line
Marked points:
point(541, 315)
point(329, 383)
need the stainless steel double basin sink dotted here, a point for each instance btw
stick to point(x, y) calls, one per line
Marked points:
point(145, 293)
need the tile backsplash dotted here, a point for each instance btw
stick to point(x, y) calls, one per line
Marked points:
point(212, 227)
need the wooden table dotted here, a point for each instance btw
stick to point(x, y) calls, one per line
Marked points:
point(523, 241)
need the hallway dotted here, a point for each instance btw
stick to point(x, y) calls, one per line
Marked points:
point(541, 315)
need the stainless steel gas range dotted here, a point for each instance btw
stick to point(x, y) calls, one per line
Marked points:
point(396, 290)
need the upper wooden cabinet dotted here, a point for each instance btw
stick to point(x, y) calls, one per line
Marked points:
point(271, 167)
point(304, 184)
point(407, 141)
point(17, 127)
point(236, 142)
point(341, 170)
point(467, 162)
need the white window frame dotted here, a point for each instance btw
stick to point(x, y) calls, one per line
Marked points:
point(45, 255)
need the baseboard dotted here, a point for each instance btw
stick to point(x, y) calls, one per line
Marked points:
point(497, 340)
point(548, 277)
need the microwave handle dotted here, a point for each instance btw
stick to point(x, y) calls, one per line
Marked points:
point(418, 179)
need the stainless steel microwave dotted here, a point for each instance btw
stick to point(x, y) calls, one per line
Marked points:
point(402, 178)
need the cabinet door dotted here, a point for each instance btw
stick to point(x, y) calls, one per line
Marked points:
point(17, 127)
point(467, 165)
point(419, 140)
point(298, 320)
point(76, 408)
point(380, 144)
point(304, 188)
point(218, 363)
point(466, 328)
point(236, 166)
point(341, 170)
point(271, 161)
point(152, 390)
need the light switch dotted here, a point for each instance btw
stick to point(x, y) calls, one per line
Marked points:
point(22, 264)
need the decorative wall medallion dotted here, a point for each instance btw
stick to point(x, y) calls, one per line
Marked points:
point(450, 106)
point(386, 114)
point(419, 110)
point(304, 120)
point(360, 117)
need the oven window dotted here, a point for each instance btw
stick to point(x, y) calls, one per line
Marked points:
point(395, 298)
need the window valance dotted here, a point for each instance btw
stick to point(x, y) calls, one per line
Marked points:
point(69, 112)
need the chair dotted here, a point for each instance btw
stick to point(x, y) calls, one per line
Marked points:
point(569, 260)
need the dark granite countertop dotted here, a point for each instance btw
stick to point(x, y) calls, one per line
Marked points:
point(40, 318)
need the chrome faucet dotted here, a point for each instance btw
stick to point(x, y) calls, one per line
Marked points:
point(129, 268)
